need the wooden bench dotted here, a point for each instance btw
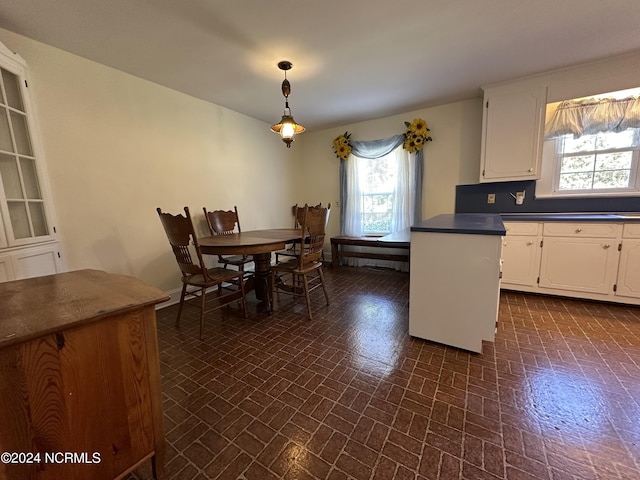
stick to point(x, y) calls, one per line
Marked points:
point(337, 250)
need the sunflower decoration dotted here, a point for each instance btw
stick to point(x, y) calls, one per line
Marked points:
point(341, 146)
point(416, 136)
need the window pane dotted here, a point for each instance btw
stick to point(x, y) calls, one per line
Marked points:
point(585, 143)
point(5, 134)
point(19, 219)
point(576, 181)
point(21, 133)
point(12, 90)
point(599, 141)
point(577, 164)
point(611, 140)
point(36, 209)
point(614, 161)
point(28, 168)
point(612, 179)
point(10, 176)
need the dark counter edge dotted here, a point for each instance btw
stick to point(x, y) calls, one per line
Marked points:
point(570, 217)
point(463, 223)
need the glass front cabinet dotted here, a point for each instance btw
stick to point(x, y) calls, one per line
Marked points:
point(28, 245)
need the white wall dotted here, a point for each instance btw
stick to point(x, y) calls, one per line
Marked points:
point(117, 147)
point(452, 158)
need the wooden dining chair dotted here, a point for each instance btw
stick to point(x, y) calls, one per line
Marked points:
point(226, 222)
point(303, 274)
point(293, 250)
point(183, 240)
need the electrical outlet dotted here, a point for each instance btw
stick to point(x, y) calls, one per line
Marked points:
point(491, 198)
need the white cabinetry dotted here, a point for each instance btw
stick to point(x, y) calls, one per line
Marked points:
point(597, 260)
point(521, 254)
point(28, 246)
point(455, 288)
point(513, 124)
point(580, 257)
point(628, 283)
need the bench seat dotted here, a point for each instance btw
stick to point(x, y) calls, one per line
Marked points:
point(337, 250)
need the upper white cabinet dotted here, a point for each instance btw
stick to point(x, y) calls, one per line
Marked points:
point(513, 126)
point(28, 245)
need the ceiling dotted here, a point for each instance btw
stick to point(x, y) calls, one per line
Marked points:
point(353, 60)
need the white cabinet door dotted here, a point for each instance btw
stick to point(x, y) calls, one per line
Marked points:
point(513, 125)
point(628, 284)
point(6, 269)
point(520, 260)
point(36, 261)
point(579, 264)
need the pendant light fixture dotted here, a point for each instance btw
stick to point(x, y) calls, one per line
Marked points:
point(287, 128)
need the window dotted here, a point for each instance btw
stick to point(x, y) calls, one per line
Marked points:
point(606, 161)
point(380, 193)
point(592, 147)
point(378, 181)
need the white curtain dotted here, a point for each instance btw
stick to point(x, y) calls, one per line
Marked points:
point(353, 207)
point(405, 192)
point(586, 117)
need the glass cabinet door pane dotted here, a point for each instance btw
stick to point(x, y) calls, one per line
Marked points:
point(12, 89)
point(30, 178)
point(21, 133)
point(5, 134)
point(38, 220)
point(10, 176)
point(19, 220)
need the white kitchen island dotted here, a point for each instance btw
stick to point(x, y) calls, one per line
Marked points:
point(455, 279)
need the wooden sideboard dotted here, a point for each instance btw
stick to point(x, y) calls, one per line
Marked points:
point(79, 377)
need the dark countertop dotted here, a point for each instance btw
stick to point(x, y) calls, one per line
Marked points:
point(570, 217)
point(465, 223)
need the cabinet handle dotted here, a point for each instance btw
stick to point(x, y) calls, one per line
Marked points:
point(578, 230)
point(529, 244)
point(605, 246)
point(530, 170)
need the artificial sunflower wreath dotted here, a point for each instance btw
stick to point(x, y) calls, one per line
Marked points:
point(416, 135)
point(341, 146)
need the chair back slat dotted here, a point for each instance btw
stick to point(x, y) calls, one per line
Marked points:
point(223, 222)
point(182, 237)
point(314, 221)
point(298, 213)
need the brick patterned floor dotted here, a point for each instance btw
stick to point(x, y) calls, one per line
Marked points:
point(350, 395)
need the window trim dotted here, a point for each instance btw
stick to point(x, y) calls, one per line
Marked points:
point(548, 184)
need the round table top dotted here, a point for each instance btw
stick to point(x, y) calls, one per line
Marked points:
point(249, 242)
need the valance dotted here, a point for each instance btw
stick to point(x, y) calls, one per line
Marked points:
point(586, 117)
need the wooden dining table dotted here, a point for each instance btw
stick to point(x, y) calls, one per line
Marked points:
point(257, 243)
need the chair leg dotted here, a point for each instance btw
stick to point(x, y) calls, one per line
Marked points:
point(244, 298)
point(273, 293)
point(306, 294)
point(182, 295)
point(324, 288)
point(202, 303)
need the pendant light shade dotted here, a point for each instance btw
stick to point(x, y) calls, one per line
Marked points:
point(287, 128)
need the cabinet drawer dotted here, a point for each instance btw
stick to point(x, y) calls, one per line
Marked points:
point(598, 230)
point(631, 230)
point(522, 228)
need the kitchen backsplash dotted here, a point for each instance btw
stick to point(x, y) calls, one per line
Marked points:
point(473, 199)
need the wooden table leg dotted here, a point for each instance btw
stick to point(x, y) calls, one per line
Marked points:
point(262, 263)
